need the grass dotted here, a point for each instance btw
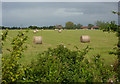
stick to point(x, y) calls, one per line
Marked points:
point(101, 42)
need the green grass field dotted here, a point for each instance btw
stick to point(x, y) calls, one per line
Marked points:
point(101, 42)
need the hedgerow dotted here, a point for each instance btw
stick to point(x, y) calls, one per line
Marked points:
point(10, 65)
point(64, 65)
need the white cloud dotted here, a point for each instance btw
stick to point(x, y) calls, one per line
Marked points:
point(67, 12)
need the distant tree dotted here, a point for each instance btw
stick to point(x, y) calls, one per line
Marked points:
point(101, 24)
point(13, 27)
point(75, 26)
point(51, 27)
point(33, 27)
point(0, 27)
point(90, 25)
point(69, 25)
point(30, 27)
point(98, 23)
point(3, 27)
point(78, 26)
point(44, 27)
point(107, 26)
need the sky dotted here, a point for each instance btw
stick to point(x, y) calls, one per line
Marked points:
point(59, 0)
point(119, 11)
point(24, 14)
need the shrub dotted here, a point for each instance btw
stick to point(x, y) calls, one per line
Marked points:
point(64, 65)
point(10, 66)
point(56, 65)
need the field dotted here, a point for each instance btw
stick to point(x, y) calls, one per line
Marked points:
point(101, 42)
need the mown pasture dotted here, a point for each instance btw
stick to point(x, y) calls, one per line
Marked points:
point(101, 43)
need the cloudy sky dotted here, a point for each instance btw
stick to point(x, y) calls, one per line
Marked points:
point(59, 0)
point(52, 13)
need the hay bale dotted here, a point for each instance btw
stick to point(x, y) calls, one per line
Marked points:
point(37, 39)
point(59, 31)
point(36, 30)
point(56, 29)
point(92, 29)
point(84, 38)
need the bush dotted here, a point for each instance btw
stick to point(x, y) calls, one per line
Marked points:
point(10, 67)
point(64, 65)
point(56, 65)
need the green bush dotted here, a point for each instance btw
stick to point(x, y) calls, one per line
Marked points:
point(56, 65)
point(10, 67)
point(64, 65)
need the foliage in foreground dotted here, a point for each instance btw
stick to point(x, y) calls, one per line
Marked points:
point(10, 66)
point(63, 65)
point(113, 27)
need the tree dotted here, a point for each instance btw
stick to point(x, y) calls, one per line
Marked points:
point(90, 25)
point(51, 27)
point(78, 26)
point(33, 27)
point(101, 24)
point(98, 23)
point(118, 45)
point(112, 26)
point(75, 26)
point(69, 25)
point(118, 13)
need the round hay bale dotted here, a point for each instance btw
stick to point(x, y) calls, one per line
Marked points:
point(56, 29)
point(84, 38)
point(92, 29)
point(59, 31)
point(34, 31)
point(37, 39)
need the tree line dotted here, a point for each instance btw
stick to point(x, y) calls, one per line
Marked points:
point(70, 25)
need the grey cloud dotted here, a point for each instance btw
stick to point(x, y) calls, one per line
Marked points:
point(61, 1)
point(44, 14)
point(0, 13)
